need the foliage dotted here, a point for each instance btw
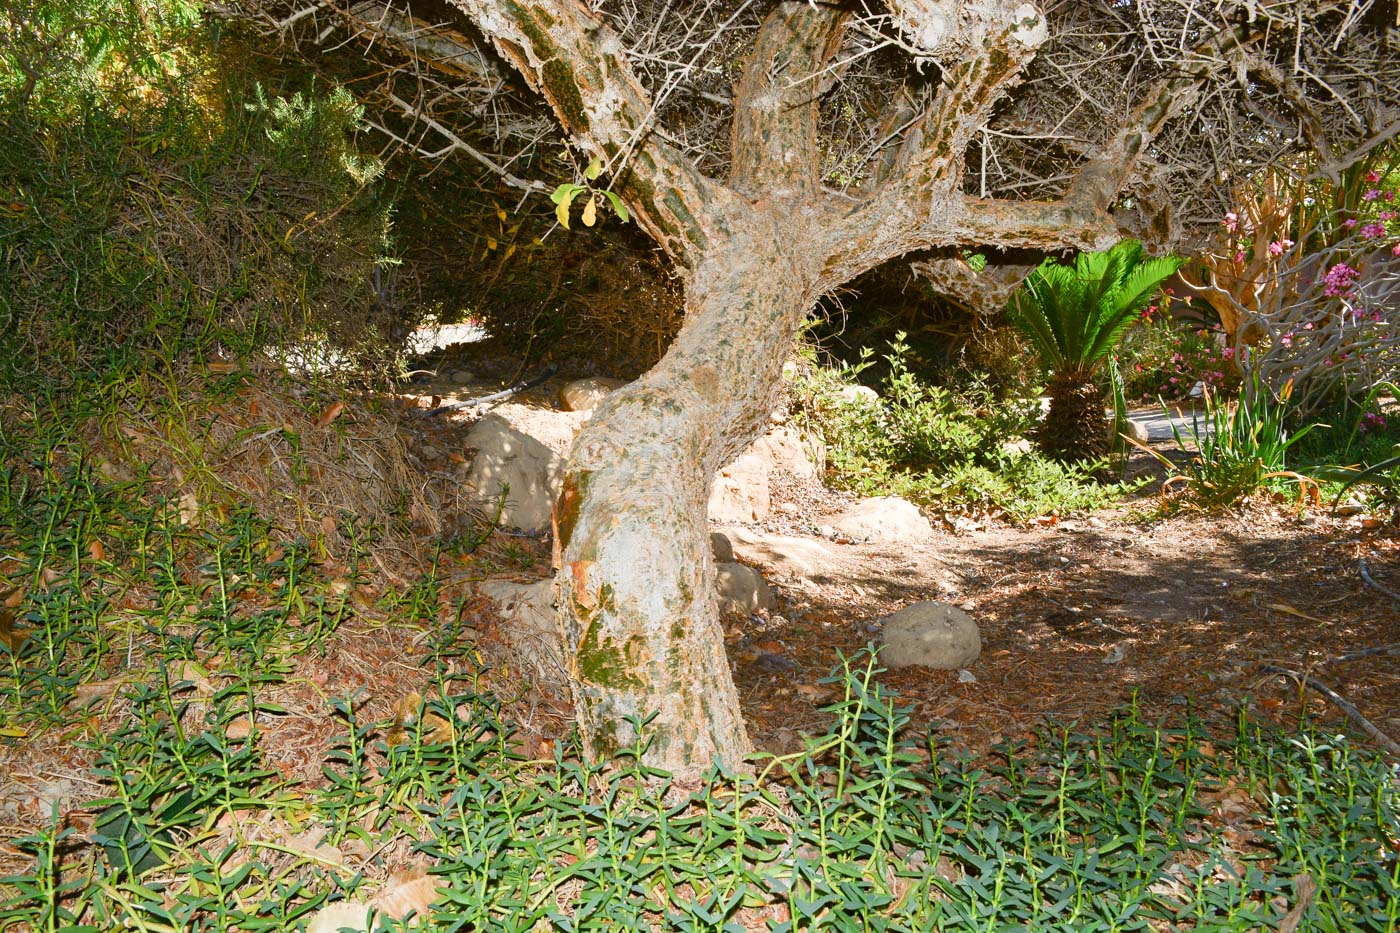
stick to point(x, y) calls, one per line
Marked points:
point(1166, 359)
point(1074, 317)
point(1305, 274)
point(937, 445)
point(149, 210)
point(167, 645)
point(1239, 447)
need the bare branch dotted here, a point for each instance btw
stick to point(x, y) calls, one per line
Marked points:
point(776, 112)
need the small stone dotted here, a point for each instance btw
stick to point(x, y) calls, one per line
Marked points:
point(461, 377)
point(721, 548)
point(966, 677)
point(884, 519)
point(741, 589)
point(585, 394)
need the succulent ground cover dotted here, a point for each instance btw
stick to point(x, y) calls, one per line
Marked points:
point(226, 718)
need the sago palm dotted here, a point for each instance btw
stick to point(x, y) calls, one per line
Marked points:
point(1075, 316)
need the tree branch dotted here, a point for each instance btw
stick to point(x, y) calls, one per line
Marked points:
point(577, 63)
point(776, 112)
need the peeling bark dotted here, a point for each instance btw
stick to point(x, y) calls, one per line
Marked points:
point(640, 620)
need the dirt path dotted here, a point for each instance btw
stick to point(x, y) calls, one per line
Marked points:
point(1077, 616)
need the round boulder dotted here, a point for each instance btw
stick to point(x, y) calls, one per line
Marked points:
point(930, 634)
point(722, 548)
point(741, 590)
point(585, 394)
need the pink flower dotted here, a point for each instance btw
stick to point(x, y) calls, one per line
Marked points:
point(1395, 250)
point(1387, 216)
point(1349, 223)
point(1277, 247)
point(1372, 231)
point(1339, 280)
point(1228, 353)
point(1371, 195)
point(1231, 222)
point(1239, 258)
point(1373, 177)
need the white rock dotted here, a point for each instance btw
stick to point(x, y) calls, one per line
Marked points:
point(585, 394)
point(787, 449)
point(529, 627)
point(1135, 430)
point(740, 491)
point(741, 589)
point(859, 395)
point(887, 519)
point(520, 450)
point(931, 634)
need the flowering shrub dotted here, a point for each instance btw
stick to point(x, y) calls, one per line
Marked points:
point(1167, 360)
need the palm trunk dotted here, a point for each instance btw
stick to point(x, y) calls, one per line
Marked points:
point(1075, 428)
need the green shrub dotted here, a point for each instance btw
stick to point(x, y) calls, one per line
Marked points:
point(936, 445)
point(148, 209)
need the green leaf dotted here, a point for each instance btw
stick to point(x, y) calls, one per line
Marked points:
point(618, 207)
point(595, 168)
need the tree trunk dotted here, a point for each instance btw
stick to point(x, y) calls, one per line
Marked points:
point(636, 578)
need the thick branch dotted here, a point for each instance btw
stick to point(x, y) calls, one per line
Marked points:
point(578, 64)
point(777, 101)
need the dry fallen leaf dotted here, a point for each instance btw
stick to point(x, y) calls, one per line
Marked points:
point(409, 892)
point(435, 729)
point(96, 549)
point(239, 729)
point(8, 635)
point(351, 915)
point(1304, 890)
point(330, 414)
point(1284, 607)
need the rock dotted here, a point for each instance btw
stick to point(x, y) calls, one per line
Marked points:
point(740, 490)
point(529, 628)
point(461, 377)
point(1134, 430)
point(887, 519)
point(585, 394)
point(931, 634)
point(722, 549)
point(786, 449)
point(859, 395)
point(521, 450)
point(741, 590)
point(805, 562)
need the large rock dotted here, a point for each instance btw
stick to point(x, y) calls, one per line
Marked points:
point(884, 519)
point(786, 449)
point(521, 451)
point(931, 634)
point(585, 394)
point(529, 628)
point(741, 590)
point(740, 490)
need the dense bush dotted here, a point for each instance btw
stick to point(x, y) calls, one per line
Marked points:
point(956, 447)
point(156, 199)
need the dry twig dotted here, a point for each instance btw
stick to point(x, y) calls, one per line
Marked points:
point(1351, 712)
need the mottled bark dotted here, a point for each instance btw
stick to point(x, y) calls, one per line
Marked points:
point(637, 582)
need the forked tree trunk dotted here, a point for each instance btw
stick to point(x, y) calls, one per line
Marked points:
point(639, 616)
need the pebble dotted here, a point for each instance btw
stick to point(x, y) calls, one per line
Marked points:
point(460, 377)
